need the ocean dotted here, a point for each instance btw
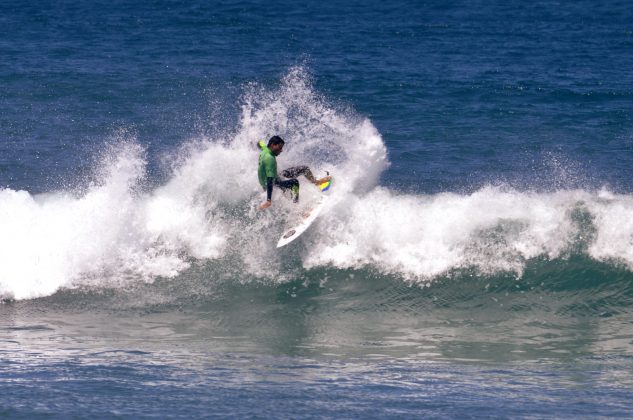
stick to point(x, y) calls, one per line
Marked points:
point(474, 259)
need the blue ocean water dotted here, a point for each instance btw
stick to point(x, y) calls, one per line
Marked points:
point(475, 260)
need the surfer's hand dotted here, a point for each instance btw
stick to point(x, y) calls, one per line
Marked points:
point(266, 204)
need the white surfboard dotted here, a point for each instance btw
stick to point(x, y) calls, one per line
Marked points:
point(307, 217)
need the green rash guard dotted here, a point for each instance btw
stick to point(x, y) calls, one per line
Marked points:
point(267, 166)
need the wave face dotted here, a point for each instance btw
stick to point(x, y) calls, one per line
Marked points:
point(118, 231)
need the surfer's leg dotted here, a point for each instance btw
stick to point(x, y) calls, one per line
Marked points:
point(295, 171)
point(290, 184)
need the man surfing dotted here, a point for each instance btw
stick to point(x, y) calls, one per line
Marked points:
point(267, 172)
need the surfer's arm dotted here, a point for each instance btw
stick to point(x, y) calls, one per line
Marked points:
point(269, 189)
point(269, 194)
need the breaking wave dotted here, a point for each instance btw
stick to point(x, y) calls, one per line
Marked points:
point(118, 231)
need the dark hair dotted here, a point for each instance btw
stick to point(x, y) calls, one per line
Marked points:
point(275, 140)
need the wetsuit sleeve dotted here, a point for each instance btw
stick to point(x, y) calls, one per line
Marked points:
point(269, 189)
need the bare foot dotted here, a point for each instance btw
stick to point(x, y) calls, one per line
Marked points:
point(322, 180)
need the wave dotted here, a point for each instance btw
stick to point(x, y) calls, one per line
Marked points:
point(117, 231)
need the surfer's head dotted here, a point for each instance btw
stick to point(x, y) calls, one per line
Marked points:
point(276, 145)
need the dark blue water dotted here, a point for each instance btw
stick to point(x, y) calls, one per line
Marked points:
point(475, 258)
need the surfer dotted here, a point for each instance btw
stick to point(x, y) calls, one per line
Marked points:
point(267, 172)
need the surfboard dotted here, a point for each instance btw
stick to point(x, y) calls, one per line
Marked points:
point(307, 217)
